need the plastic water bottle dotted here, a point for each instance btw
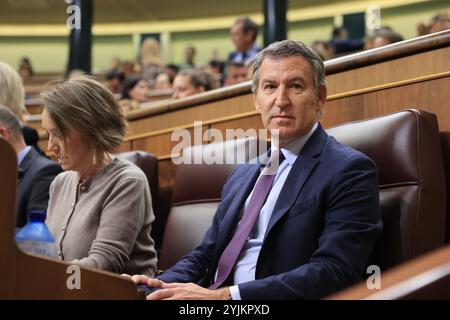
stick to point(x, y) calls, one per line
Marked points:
point(35, 237)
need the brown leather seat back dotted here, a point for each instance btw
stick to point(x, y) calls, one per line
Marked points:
point(148, 163)
point(406, 149)
point(196, 196)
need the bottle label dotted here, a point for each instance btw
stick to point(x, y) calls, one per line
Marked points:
point(47, 249)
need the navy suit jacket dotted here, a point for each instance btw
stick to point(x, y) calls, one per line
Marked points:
point(36, 173)
point(320, 234)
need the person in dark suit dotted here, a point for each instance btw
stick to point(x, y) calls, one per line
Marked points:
point(243, 33)
point(317, 219)
point(36, 172)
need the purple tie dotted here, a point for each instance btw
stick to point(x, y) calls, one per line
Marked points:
point(260, 192)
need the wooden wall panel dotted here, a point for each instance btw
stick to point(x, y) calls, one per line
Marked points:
point(433, 96)
point(426, 63)
point(126, 146)
point(187, 116)
point(161, 143)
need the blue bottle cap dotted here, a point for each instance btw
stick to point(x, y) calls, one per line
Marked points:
point(37, 216)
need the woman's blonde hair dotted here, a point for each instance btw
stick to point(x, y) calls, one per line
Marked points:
point(12, 94)
point(150, 52)
point(85, 105)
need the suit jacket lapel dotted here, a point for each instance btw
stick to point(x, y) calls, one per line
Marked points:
point(306, 161)
point(243, 187)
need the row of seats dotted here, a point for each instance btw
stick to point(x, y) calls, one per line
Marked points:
point(406, 148)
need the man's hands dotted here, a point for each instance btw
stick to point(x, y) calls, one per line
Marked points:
point(180, 291)
point(188, 291)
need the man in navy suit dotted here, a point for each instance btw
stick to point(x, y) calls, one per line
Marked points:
point(320, 219)
point(36, 172)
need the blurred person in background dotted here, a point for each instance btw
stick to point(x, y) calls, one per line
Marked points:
point(150, 60)
point(171, 70)
point(25, 69)
point(341, 43)
point(243, 34)
point(190, 82)
point(216, 68)
point(385, 36)
point(12, 96)
point(134, 92)
point(189, 58)
point(235, 72)
point(163, 82)
point(114, 82)
point(324, 49)
point(439, 22)
point(115, 65)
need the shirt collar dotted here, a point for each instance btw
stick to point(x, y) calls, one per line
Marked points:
point(252, 50)
point(22, 153)
point(293, 149)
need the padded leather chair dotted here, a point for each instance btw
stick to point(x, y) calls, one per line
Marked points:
point(406, 148)
point(196, 196)
point(148, 163)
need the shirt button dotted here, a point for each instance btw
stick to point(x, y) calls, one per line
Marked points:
point(63, 228)
point(83, 188)
point(72, 205)
point(59, 253)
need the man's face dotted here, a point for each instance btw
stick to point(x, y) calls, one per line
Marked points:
point(286, 97)
point(235, 75)
point(242, 41)
point(183, 87)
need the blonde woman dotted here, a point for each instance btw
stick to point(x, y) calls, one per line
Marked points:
point(12, 96)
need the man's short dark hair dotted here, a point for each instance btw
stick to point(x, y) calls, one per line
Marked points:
point(128, 85)
point(114, 74)
point(9, 120)
point(338, 31)
point(389, 35)
point(248, 26)
point(230, 64)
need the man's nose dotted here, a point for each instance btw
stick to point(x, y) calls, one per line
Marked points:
point(282, 97)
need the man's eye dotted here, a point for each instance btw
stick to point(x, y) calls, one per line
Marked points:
point(269, 87)
point(296, 86)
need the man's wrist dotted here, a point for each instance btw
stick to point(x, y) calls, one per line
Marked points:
point(224, 294)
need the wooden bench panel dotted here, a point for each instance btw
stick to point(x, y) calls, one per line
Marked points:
point(24, 276)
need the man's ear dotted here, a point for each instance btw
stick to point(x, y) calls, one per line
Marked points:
point(321, 97)
point(255, 103)
point(4, 133)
